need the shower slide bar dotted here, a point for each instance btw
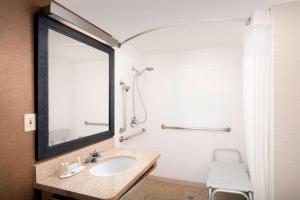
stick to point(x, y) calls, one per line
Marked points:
point(95, 124)
point(227, 129)
point(123, 138)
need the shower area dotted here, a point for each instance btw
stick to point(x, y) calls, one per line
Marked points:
point(184, 96)
point(166, 93)
point(196, 88)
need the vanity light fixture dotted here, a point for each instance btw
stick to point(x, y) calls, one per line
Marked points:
point(64, 15)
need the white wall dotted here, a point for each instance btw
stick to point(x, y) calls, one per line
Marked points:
point(195, 88)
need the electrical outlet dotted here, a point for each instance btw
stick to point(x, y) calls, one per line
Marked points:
point(29, 122)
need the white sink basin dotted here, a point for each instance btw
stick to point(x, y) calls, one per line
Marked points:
point(113, 166)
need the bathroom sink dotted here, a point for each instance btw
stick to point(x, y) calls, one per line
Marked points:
point(113, 166)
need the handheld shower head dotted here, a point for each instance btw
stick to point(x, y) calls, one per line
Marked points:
point(138, 73)
point(134, 121)
point(146, 69)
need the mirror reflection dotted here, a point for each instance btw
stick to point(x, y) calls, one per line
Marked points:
point(78, 79)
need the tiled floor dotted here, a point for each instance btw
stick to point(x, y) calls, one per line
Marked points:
point(153, 188)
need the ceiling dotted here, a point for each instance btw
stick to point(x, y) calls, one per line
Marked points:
point(124, 18)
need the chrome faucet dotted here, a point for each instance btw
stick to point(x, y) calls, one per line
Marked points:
point(94, 156)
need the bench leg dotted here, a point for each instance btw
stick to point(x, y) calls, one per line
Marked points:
point(250, 196)
point(230, 191)
point(209, 193)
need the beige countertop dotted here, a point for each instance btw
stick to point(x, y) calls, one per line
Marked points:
point(87, 186)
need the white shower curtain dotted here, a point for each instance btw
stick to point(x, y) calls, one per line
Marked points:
point(257, 102)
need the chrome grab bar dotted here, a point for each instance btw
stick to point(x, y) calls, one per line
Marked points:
point(95, 124)
point(125, 89)
point(227, 129)
point(123, 138)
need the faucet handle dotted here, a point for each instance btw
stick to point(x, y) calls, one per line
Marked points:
point(96, 153)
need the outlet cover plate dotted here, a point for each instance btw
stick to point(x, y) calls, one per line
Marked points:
point(29, 122)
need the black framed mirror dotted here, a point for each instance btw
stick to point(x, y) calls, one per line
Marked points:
point(74, 88)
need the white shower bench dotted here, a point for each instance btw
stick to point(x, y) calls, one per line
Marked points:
point(228, 177)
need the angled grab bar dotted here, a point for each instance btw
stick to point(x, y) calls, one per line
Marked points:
point(227, 129)
point(123, 138)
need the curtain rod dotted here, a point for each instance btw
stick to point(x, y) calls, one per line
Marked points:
point(68, 17)
point(243, 20)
